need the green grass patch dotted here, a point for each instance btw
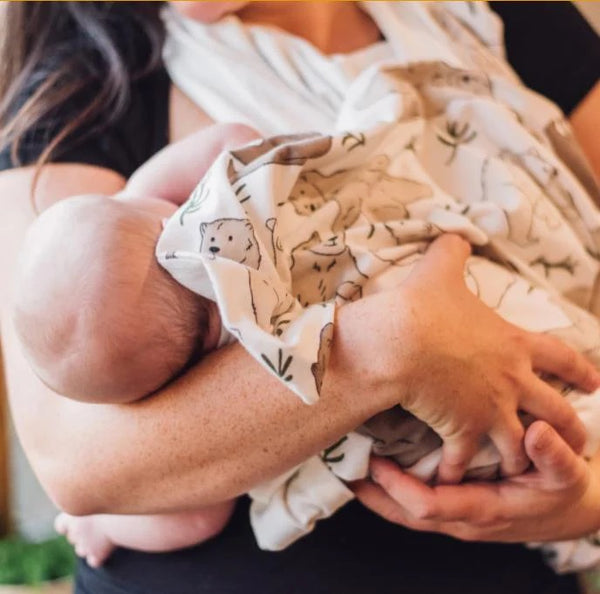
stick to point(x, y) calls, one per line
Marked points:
point(31, 563)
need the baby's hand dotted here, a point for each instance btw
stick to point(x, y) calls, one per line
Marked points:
point(470, 372)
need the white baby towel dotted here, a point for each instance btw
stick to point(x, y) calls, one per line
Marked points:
point(425, 133)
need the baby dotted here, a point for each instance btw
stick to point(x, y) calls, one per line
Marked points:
point(102, 322)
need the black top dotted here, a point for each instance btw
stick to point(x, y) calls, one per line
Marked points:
point(355, 552)
point(140, 132)
point(553, 49)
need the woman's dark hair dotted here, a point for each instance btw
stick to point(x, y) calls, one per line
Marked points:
point(81, 54)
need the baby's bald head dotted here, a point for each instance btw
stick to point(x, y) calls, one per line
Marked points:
point(99, 319)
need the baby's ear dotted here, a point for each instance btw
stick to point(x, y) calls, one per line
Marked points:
point(202, 229)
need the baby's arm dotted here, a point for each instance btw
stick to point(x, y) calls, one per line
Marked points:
point(175, 171)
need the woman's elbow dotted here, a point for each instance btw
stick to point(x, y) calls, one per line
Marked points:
point(76, 490)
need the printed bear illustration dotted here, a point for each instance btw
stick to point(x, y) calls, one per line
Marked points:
point(437, 82)
point(325, 271)
point(289, 149)
point(319, 366)
point(272, 305)
point(558, 188)
point(368, 190)
point(230, 238)
point(518, 199)
point(514, 298)
point(549, 178)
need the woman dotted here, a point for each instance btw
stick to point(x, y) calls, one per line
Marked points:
point(182, 447)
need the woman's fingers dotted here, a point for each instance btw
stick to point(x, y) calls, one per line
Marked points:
point(508, 439)
point(551, 355)
point(445, 503)
point(557, 464)
point(456, 455)
point(545, 403)
point(410, 493)
point(422, 502)
point(377, 500)
point(444, 261)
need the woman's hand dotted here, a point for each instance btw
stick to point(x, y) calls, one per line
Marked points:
point(559, 499)
point(467, 371)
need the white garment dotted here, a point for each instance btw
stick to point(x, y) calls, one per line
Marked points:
point(438, 136)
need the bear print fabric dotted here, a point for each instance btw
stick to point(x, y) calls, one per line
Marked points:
point(436, 135)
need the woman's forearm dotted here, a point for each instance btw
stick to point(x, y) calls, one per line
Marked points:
point(585, 121)
point(227, 424)
point(211, 435)
point(218, 430)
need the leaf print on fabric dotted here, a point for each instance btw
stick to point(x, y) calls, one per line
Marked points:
point(195, 201)
point(329, 457)
point(455, 135)
point(282, 366)
point(567, 265)
point(351, 141)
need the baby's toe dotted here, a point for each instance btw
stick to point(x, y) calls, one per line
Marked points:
point(93, 561)
point(61, 523)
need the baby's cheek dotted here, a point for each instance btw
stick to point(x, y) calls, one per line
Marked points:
point(207, 12)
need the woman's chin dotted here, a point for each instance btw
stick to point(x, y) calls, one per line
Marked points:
point(207, 12)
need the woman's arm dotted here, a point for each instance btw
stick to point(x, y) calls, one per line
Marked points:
point(585, 120)
point(221, 428)
point(211, 435)
point(227, 424)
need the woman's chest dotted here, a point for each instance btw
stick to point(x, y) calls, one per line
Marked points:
point(184, 116)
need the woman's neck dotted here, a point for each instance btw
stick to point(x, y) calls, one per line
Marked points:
point(333, 27)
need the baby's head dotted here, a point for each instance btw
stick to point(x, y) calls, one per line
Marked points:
point(99, 319)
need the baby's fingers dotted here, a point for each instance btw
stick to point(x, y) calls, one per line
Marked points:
point(546, 404)
point(551, 355)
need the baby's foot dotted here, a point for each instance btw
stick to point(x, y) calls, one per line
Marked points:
point(87, 536)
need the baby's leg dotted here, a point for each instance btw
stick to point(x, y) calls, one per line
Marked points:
point(95, 537)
